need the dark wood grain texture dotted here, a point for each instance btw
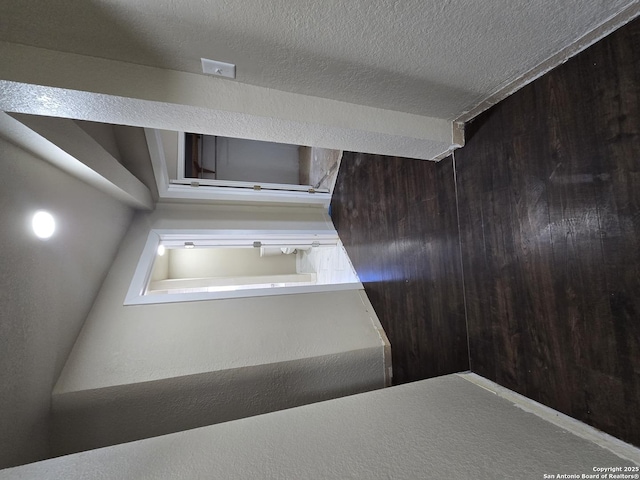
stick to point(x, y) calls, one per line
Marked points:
point(397, 220)
point(549, 196)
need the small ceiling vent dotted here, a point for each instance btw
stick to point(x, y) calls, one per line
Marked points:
point(219, 69)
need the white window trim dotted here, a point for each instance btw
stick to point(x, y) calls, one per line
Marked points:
point(209, 238)
point(183, 180)
point(214, 191)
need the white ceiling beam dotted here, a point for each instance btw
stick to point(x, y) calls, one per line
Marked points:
point(64, 144)
point(46, 82)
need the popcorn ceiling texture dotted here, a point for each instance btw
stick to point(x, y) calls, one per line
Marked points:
point(374, 77)
point(428, 57)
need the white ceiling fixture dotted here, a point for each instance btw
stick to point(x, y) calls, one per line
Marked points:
point(220, 69)
point(43, 224)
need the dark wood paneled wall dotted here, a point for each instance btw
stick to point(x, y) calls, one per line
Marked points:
point(549, 195)
point(397, 220)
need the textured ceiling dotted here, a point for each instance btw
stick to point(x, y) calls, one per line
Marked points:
point(430, 57)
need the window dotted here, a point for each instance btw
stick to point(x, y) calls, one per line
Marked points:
point(178, 266)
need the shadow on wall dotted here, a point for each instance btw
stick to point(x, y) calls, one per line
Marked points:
point(48, 289)
point(107, 416)
point(51, 284)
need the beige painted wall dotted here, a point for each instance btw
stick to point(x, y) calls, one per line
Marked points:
point(133, 365)
point(134, 155)
point(442, 428)
point(46, 289)
point(170, 147)
point(227, 262)
point(109, 350)
point(160, 269)
point(252, 161)
point(104, 134)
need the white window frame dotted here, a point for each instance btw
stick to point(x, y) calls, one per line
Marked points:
point(136, 295)
point(183, 180)
point(203, 189)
